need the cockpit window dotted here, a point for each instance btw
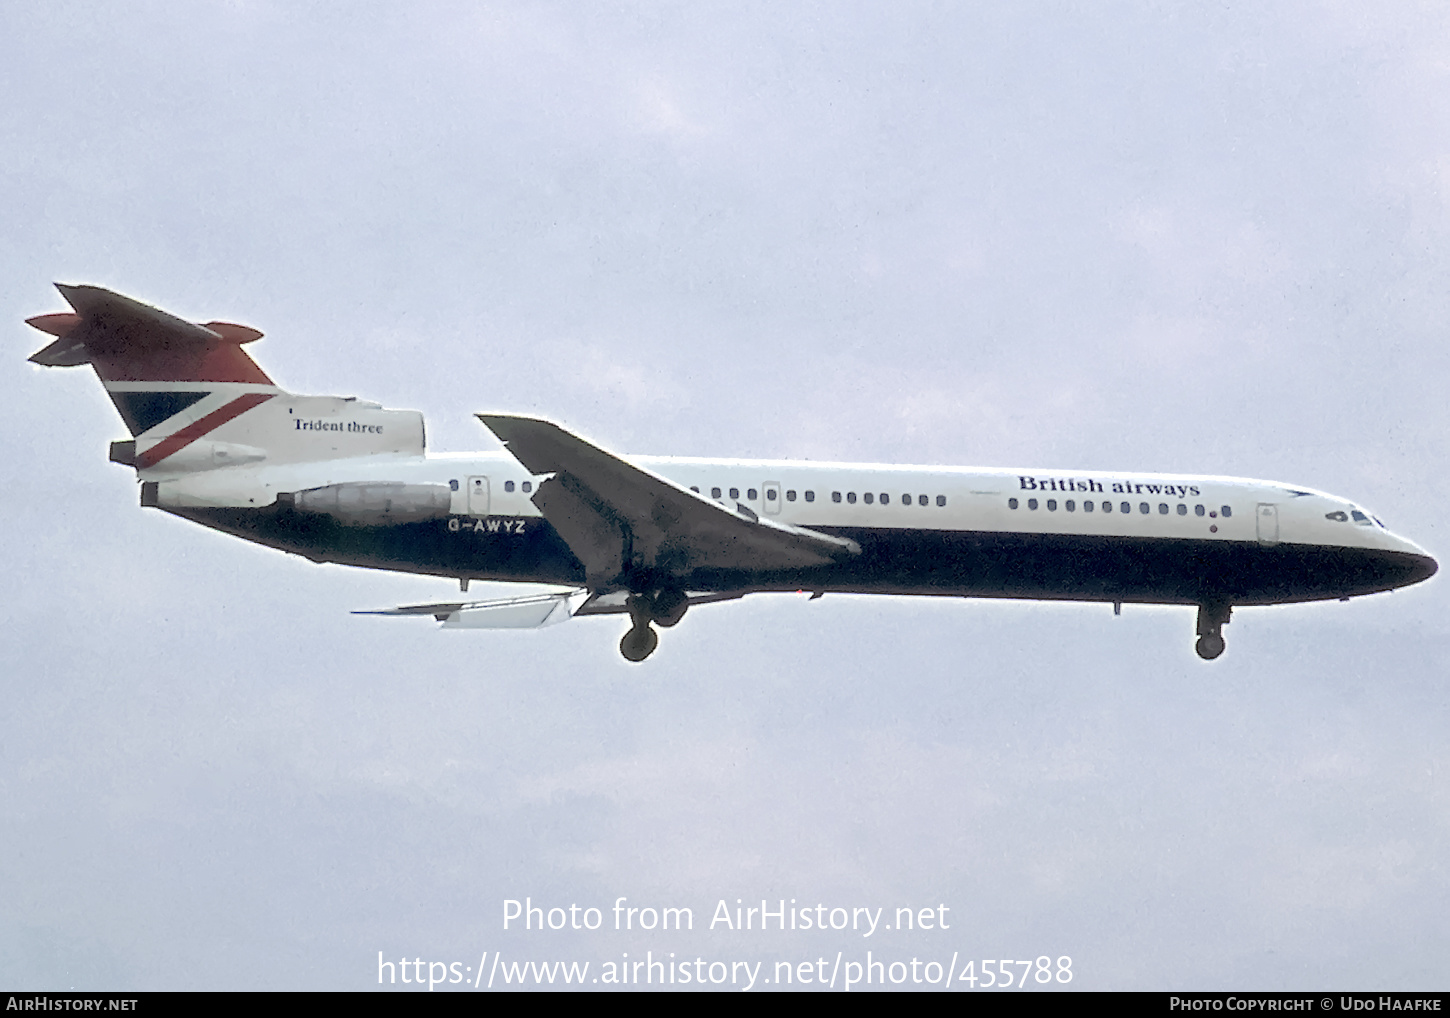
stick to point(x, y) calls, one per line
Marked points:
point(1338, 516)
point(1360, 518)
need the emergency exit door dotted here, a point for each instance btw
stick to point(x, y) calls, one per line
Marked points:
point(1268, 517)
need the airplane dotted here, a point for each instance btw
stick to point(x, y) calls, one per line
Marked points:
point(338, 479)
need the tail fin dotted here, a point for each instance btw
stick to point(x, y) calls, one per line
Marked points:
point(194, 400)
point(153, 365)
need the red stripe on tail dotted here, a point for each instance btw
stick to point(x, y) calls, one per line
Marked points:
point(181, 439)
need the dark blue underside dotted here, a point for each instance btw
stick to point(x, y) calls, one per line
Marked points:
point(957, 563)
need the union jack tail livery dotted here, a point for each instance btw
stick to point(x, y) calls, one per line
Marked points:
point(191, 396)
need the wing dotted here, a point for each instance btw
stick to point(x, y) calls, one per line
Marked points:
point(533, 611)
point(613, 514)
point(528, 612)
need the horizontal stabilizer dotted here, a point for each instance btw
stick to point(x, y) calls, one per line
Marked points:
point(63, 353)
point(58, 324)
point(130, 341)
point(233, 333)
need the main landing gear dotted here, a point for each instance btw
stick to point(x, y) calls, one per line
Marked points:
point(1211, 620)
point(663, 608)
point(639, 643)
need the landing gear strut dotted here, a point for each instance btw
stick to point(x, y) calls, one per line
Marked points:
point(1211, 620)
point(641, 640)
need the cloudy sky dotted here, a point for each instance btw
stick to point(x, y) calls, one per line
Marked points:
point(1126, 236)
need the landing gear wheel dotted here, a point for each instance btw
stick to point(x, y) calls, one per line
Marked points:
point(1212, 617)
point(1209, 647)
point(668, 607)
point(639, 643)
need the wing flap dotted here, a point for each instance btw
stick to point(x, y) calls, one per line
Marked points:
point(531, 611)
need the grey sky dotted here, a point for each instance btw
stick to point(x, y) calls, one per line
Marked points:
point(1120, 236)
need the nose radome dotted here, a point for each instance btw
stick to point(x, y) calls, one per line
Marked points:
point(1421, 567)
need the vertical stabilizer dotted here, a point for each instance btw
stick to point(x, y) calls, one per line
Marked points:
point(194, 400)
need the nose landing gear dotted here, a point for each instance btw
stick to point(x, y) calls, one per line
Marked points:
point(1211, 620)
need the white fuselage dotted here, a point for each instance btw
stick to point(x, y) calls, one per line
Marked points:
point(941, 498)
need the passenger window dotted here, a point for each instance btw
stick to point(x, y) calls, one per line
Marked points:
point(750, 495)
point(1012, 503)
point(922, 500)
point(714, 492)
point(885, 498)
point(1227, 511)
point(508, 485)
point(453, 485)
point(1070, 506)
point(1125, 507)
point(1143, 508)
point(1162, 508)
point(851, 497)
point(810, 496)
point(694, 489)
point(906, 500)
point(1182, 509)
point(1198, 510)
point(1032, 503)
point(1087, 507)
point(867, 497)
point(734, 492)
point(1107, 507)
point(941, 500)
point(1052, 505)
point(528, 486)
point(835, 496)
point(790, 495)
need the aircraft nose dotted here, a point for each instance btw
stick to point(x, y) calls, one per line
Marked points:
point(1419, 567)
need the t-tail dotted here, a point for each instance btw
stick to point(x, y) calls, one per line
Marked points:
point(194, 400)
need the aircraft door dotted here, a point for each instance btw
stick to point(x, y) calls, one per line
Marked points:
point(1268, 517)
point(771, 496)
point(478, 496)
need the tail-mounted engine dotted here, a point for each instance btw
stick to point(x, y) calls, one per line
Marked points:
point(373, 503)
